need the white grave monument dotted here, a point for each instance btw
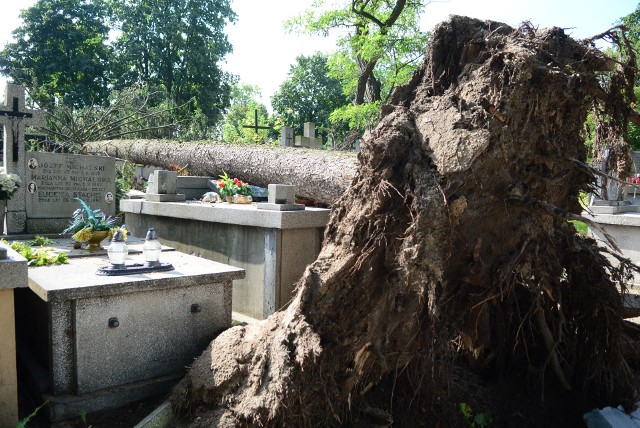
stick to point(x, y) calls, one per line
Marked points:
point(14, 117)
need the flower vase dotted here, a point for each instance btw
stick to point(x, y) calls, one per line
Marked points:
point(229, 198)
point(96, 238)
point(242, 199)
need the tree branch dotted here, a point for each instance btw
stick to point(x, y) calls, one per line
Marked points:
point(395, 13)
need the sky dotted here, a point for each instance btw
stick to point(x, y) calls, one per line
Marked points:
point(263, 51)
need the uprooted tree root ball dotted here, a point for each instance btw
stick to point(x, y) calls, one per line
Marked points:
point(451, 241)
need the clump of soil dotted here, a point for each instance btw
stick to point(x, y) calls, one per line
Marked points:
point(449, 257)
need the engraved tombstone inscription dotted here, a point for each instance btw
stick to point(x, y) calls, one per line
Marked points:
point(54, 180)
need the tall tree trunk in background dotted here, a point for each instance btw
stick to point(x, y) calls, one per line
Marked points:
point(368, 88)
point(318, 174)
point(451, 240)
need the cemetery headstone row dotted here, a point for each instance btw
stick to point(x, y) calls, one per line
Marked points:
point(308, 140)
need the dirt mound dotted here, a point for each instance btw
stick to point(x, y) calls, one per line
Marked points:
point(451, 242)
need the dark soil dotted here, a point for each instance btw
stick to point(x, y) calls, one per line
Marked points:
point(122, 417)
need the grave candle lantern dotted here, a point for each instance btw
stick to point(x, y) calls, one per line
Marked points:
point(152, 248)
point(118, 250)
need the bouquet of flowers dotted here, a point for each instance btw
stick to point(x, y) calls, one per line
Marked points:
point(229, 187)
point(9, 184)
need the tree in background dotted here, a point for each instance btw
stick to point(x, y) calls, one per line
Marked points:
point(382, 48)
point(133, 112)
point(177, 45)
point(241, 113)
point(60, 53)
point(632, 24)
point(309, 94)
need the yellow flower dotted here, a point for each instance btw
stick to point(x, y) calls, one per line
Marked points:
point(82, 235)
point(114, 229)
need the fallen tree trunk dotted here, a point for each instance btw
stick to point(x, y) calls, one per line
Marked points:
point(452, 240)
point(319, 174)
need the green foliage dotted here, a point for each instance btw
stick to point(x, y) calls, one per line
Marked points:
point(466, 411)
point(241, 113)
point(176, 45)
point(85, 217)
point(480, 420)
point(37, 258)
point(125, 180)
point(357, 116)
point(581, 228)
point(309, 95)
point(382, 52)
point(136, 112)
point(634, 130)
point(23, 423)
point(60, 52)
point(64, 56)
point(83, 418)
point(632, 24)
point(40, 241)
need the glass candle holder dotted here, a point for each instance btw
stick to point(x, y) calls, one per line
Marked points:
point(118, 250)
point(152, 248)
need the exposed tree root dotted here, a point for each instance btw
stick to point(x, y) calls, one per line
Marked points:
point(451, 240)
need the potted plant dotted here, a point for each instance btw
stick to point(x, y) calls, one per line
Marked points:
point(234, 190)
point(9, 184)
point(91, 226)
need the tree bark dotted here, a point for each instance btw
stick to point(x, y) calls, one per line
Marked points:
point(452, 240)
point(318, 174)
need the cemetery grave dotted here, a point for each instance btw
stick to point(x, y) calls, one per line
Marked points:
point(436, 241)
point(273, 241)
point(13, 118)
point(116, 339)
point(91, 342)
point(307, 140)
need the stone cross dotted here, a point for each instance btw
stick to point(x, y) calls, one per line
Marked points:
point(14, 117)
point(309, 139)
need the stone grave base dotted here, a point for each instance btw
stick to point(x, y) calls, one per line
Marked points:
point(41, 226)
point(70, 406)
